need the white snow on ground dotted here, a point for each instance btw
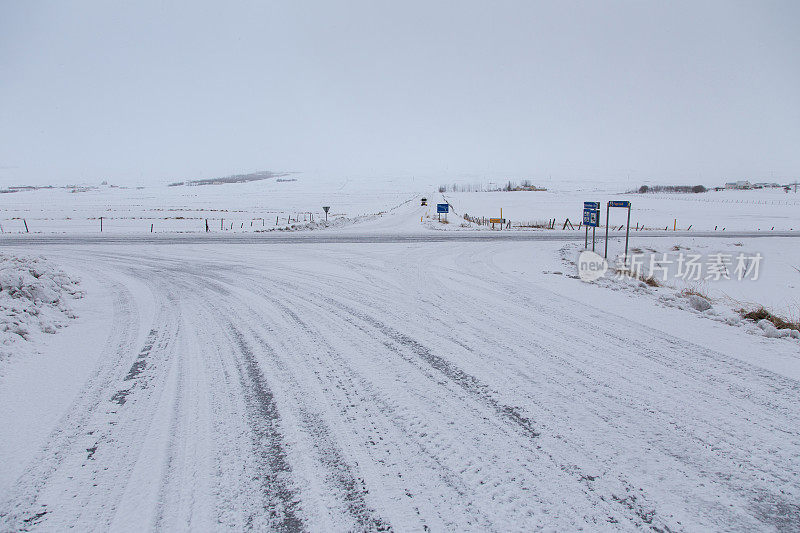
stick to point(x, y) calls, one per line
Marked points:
point(34, 298)
point(748, 210)
point(371, 382)
point(230, 208)
point(272, 205)
point(776, 287)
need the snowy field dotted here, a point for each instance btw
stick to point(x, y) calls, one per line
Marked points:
point(272, 205)
point(233, 208)
point(753, 210)
point(361, 380)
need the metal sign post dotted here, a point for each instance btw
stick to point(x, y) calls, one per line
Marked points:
point(619, 203)
point(627, 232)
point(326, 208)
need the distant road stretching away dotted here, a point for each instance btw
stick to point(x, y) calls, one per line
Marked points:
point(323, 237)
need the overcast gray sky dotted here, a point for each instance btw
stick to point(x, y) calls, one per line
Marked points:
point(149, 92)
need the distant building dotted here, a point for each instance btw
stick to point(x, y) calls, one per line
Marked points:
point(739, 185)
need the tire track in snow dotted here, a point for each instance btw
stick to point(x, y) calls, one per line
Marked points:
point(274, 468)
point(352, 489)
point(281, 503)
point(359, 396)
point(236, 491)
point(277, 510)
point(469, 383)
point(125, 433)
point(332, 310)
point(337, 375)
point(340, 473)
point(263, 406)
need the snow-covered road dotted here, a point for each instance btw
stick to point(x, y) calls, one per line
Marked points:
point(395, 386)
point(360, 237)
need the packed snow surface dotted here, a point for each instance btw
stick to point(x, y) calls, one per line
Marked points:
point(450, 386)
point(385, 371)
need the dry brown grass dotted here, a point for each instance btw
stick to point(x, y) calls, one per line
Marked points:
point(696, 291)
point(650, 280)
point(764, 314)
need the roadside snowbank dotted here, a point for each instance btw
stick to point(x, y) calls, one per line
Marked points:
point(722, 300)
point(34, 297)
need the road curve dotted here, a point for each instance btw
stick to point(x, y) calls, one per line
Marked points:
point(320, 389)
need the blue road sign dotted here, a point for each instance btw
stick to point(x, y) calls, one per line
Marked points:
point(619, 203)
point(591, 205)
point(591, 217)
point(442, 208)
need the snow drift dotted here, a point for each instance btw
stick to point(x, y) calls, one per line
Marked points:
point(34, 298)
